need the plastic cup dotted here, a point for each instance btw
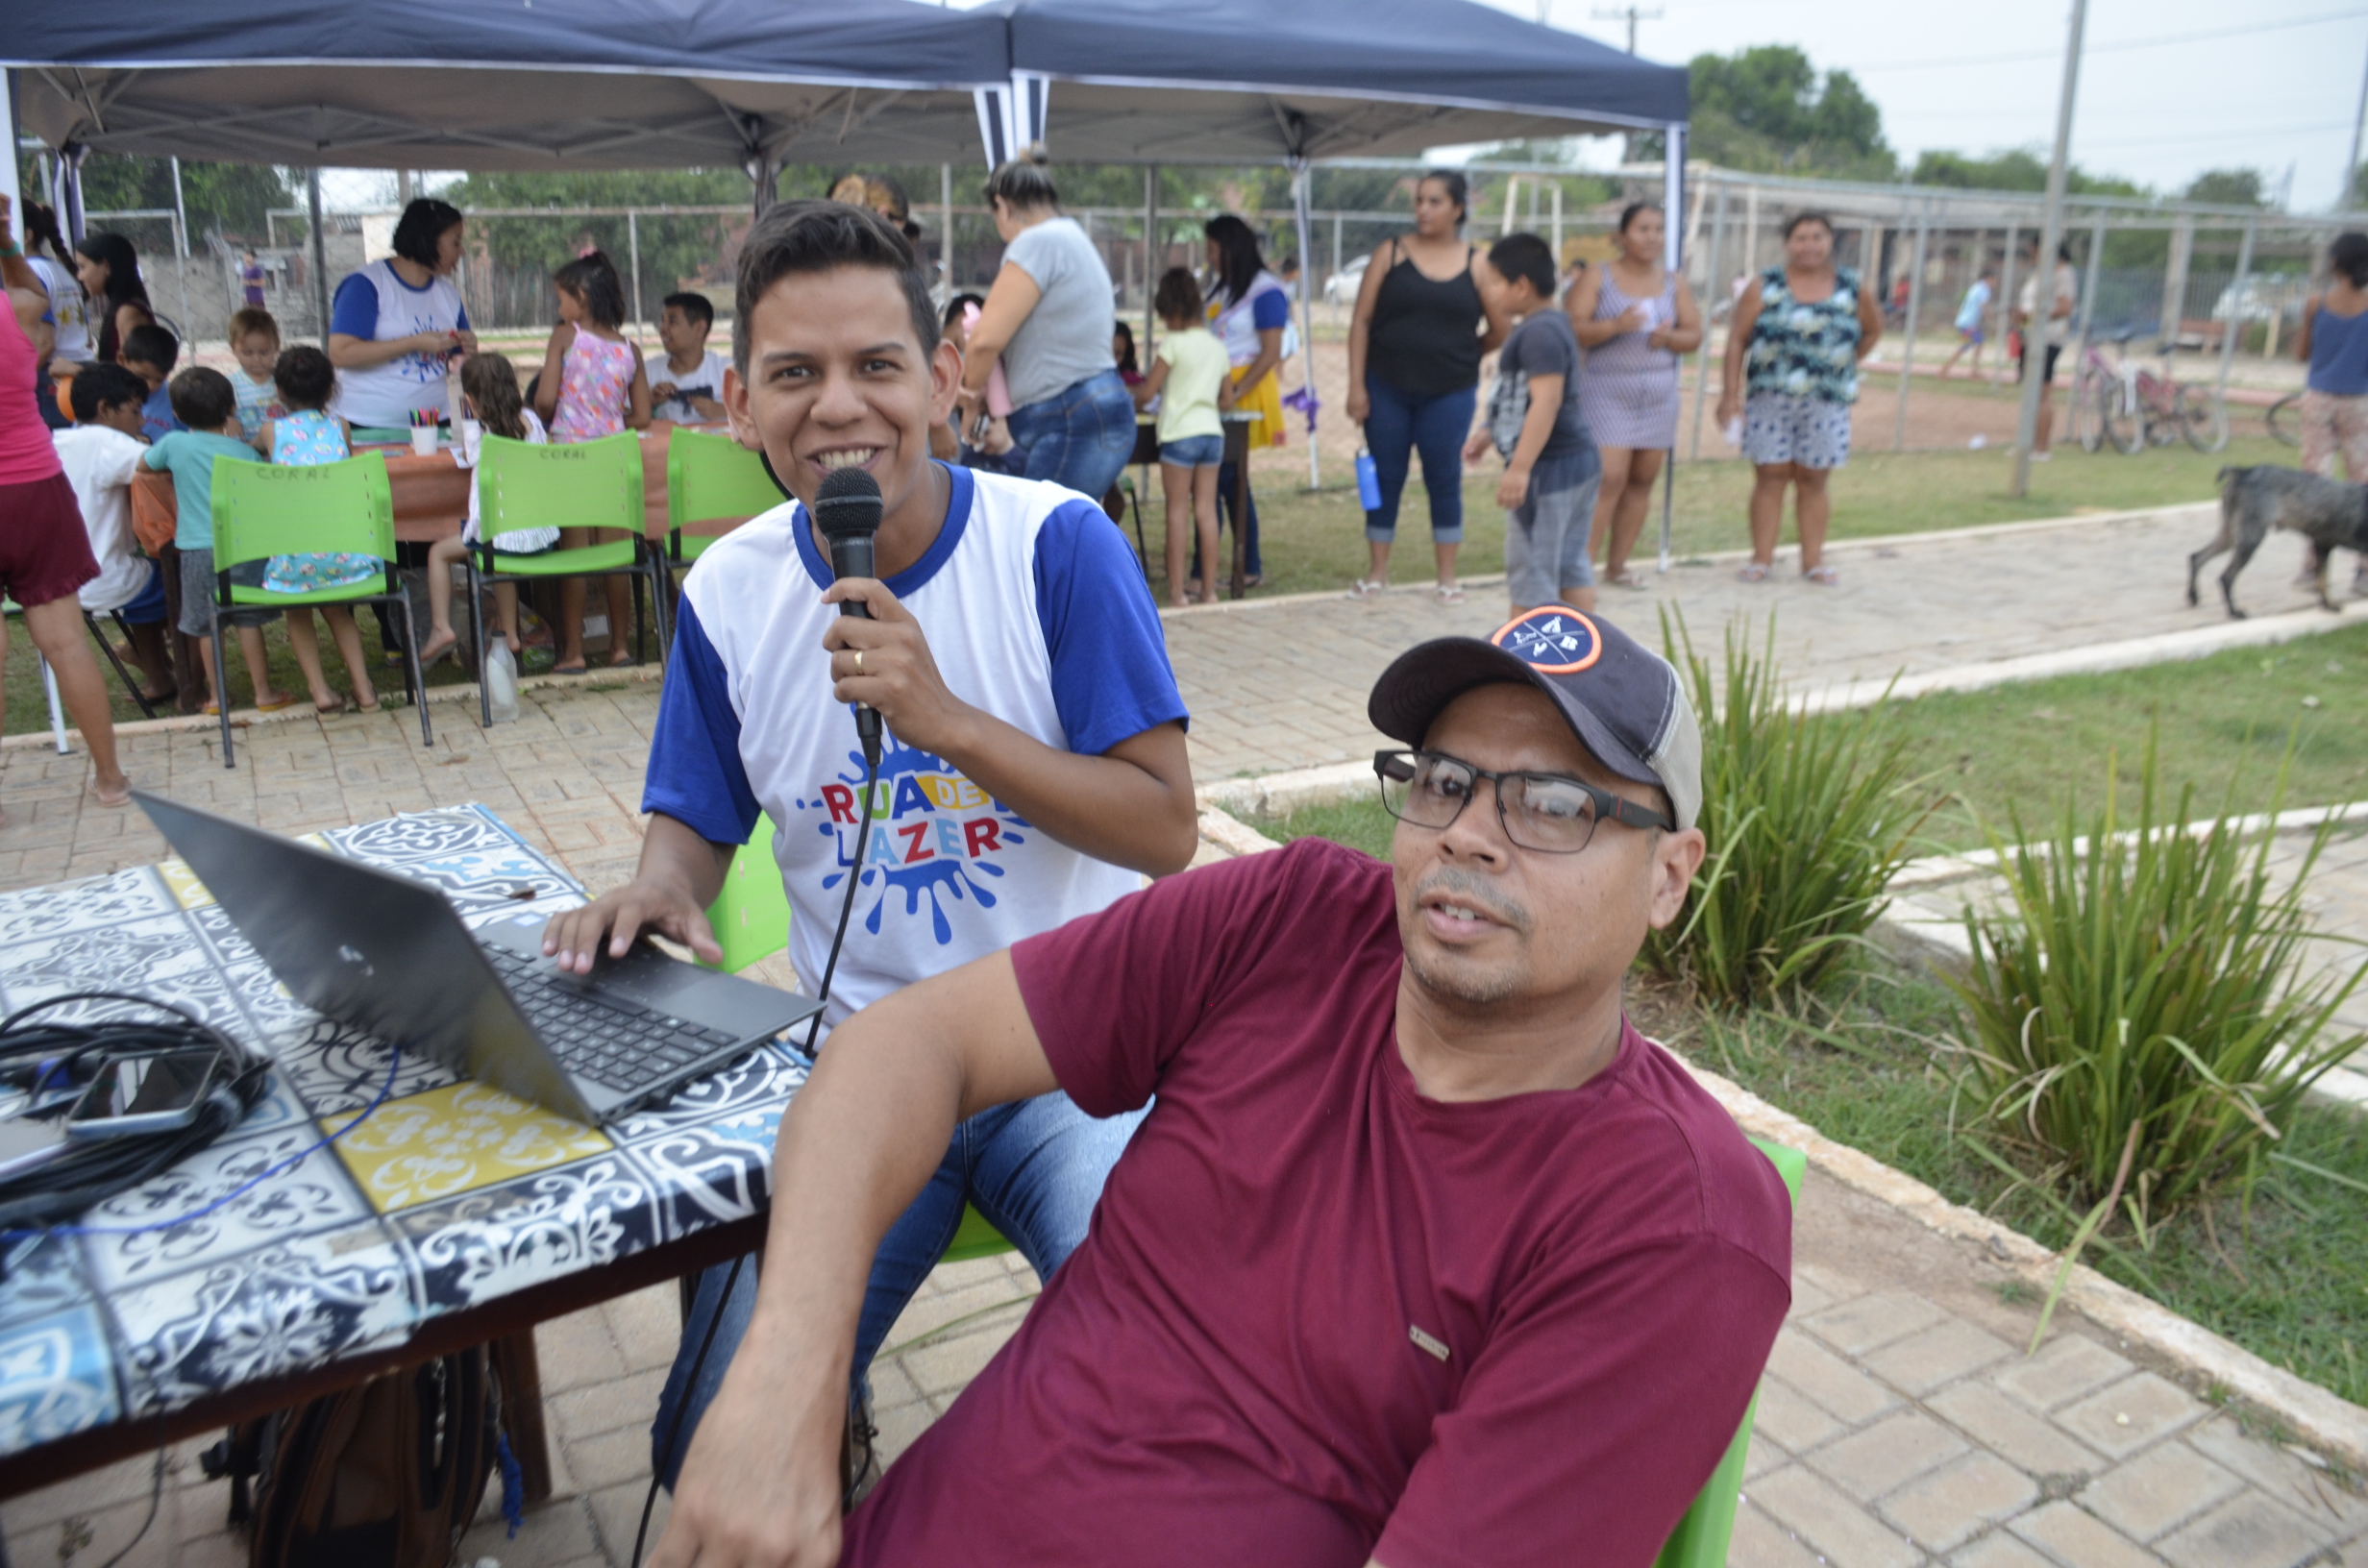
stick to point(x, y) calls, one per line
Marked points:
point(423, 440)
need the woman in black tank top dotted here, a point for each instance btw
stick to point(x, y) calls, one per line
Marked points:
point(1413, 366)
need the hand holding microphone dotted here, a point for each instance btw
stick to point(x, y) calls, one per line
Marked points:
point(880, 660)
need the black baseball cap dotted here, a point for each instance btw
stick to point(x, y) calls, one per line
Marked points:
point(1622, 699)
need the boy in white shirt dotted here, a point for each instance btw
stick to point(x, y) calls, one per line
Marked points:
point(100, 452)
point(688, 390)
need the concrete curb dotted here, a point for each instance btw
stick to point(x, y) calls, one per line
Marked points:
point(2202, 511)
point(2332, 1425)
point(248, 718)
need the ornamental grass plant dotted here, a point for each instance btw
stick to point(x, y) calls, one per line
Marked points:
point(1807, 818)
point(2142, 1017)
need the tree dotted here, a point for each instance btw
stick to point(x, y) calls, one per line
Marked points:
point(226, 199)
point(2228, 187)
point(2021, 168)
point(1766, 108)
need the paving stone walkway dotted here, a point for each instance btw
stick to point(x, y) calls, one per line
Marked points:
point(1899, 1423)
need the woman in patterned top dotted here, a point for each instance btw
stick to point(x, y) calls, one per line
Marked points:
point(308, 434)
point(1790, 375)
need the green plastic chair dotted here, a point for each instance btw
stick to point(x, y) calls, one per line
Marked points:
point(713, 483)
point(262, 509)
point(589, 484)
point(750, 914)
point(751, 917)
point(1701, 1537)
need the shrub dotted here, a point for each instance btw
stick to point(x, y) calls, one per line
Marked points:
point(1808, 817)
point(2138, 1007)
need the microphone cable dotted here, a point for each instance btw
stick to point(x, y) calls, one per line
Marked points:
point(732, 1279)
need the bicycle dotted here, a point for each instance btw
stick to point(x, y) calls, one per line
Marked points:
point(2123, 402)
point(2285, 419)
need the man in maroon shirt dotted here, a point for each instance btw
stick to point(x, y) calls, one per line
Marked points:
point(1422, 1257)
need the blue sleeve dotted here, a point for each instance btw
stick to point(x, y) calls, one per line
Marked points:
point(1110, 674)
point(464, 319)
point(355, 311)
point(1270, 311)
point(694, 774)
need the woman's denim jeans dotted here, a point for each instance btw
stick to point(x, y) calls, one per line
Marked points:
point(1400, 424)
point(1080, 436)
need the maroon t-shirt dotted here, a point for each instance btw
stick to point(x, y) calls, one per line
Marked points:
point(1320, 1319)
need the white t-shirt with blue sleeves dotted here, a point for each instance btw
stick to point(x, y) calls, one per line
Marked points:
point(1035, 612)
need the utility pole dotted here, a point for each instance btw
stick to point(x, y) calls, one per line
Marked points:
point(2043, 274)
point(1631, 13)
point(2351, 165)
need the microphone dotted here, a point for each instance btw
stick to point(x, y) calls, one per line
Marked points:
point(846, 509)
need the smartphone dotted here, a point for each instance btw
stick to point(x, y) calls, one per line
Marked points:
point(153, 1093)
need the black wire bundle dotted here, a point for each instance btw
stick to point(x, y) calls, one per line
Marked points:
point(39, 1057)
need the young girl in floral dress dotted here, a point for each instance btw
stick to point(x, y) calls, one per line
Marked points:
point(592, 386)
point(308, 434)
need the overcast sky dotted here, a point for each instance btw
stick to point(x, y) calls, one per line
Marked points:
point(2270, 83)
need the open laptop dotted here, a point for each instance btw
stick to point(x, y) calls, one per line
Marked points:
point(387, 955)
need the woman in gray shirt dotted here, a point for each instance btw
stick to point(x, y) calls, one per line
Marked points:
point(1050, 320)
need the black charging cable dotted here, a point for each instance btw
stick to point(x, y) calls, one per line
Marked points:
point(830, 967)
point(38, 1059)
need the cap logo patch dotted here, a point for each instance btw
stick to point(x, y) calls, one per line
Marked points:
point(1552, 641)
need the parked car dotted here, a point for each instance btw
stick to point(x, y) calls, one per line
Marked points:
point(1341, 289)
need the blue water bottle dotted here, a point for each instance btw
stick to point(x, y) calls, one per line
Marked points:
point(1369, 482)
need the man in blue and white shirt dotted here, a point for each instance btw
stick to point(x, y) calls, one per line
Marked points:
point(1033, 766)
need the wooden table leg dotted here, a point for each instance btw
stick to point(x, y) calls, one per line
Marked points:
point(521, 1371)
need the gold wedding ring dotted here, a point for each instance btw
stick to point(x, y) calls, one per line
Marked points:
point(859, 661)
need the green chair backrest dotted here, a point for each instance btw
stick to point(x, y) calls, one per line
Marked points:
point(750, 914)
point(589, 484)
point(712, 479)
point(262, 509)
point(1701, 1538)
point(974, 1238)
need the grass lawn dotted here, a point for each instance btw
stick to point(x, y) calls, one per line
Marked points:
point(2282, 1272)
point(1315, 541)
point(2225, 724)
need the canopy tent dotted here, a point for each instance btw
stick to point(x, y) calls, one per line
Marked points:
point(504, 85)
point(1250, 81)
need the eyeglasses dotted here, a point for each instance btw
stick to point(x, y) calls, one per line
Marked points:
point(1552, 814)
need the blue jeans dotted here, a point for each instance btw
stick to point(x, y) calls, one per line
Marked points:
point(1400, 424)
point(1081, 436)
point(1033, 1168)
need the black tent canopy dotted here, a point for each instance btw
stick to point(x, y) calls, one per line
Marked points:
point(1250, 80)
point(508, 84)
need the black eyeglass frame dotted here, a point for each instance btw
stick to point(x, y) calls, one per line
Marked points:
point(1614, 807)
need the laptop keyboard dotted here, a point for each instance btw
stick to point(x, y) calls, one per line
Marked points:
point(608, 1039)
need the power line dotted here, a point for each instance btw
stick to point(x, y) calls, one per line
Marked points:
point(2165, 40)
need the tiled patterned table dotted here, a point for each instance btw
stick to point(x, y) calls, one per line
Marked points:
point(453, 1214)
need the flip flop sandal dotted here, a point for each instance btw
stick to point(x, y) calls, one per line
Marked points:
point(1632, 578)
point(1447, 593)
point(1752, 572)
point(275, 707)
point(1365, 588)
point(329, 709)
point(1824, 577)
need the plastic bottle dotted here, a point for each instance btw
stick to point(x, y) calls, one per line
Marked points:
point(502, 683)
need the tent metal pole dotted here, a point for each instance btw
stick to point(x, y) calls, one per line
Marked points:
point(180, 218)
point(632, 245)
point(1710, 298)
point(1307, 316)
point(320, 250)
point(1673, 261)
point(7, 169)
point(945, 232)
point(1557, 228)
point(1150, 276)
